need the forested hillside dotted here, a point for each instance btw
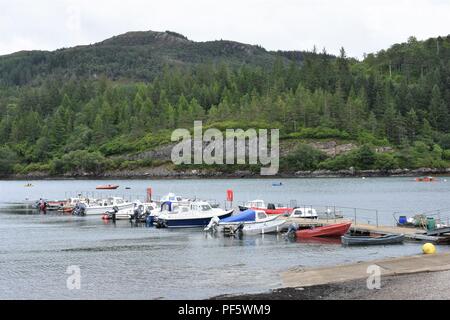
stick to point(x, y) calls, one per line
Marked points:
point(78, 109)
point(135, 56)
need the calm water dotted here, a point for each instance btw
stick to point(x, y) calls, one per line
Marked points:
point(128, 262)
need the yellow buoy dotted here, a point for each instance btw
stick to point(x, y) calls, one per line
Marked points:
point(429, 248)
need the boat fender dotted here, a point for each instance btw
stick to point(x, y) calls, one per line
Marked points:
point(105, 216)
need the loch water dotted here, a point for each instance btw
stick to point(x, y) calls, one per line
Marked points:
point(124, 261)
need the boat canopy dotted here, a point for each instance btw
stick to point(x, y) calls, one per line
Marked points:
point(247, 215)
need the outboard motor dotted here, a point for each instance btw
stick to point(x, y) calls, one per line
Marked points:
point(271, 206)
point(239, 228)
point(149, 221)
point(79, 210)
point(291, 230)
point(212, 226)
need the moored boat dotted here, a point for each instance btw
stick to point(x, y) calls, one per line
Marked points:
point(305, 213)
point(138, 212)
point(102, 206)
point(107, 187)
point(248, 222)
point(269, 209)
point(350, 240)
point(426, 179)
point(196, 214)
point(332, 230)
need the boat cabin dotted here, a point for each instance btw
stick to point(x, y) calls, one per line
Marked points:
point(171, 197)
point(260, 215)
point(256, 204)
point(200, 206)
point(306, 213)
point(111, 201)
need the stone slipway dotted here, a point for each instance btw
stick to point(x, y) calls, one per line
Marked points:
point(389, 267)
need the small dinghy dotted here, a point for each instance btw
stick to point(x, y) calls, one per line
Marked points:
point(248, 222)
point(279, 184)
point(349, 240)
point(333, 230)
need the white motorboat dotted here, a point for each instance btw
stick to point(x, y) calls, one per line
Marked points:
point(138, 210)
point(102, 206)
point(248, 222)
point(305, 213)
point(196, 214)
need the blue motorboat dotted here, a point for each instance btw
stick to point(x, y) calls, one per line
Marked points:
point(196, 214)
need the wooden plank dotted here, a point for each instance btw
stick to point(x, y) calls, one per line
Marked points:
point(439, 231)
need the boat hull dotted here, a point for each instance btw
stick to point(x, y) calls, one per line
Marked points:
point(108, 187)
point(370, 241)
point(100, 210)
point(276, 211)
point(254, 228)
point(335, 230)
point(190, 222)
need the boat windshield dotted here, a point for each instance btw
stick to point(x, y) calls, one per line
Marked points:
point(205, 207)
point(180, 210)
point(262, 215)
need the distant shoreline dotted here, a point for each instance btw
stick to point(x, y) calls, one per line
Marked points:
point(194, 174)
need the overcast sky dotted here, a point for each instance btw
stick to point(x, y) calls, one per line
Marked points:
point(360, 26)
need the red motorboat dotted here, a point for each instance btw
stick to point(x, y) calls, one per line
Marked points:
point(333, 230)
point(108, 187)
point(278, 210)
point(269, 209)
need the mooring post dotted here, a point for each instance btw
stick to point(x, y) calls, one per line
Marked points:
point(376, 212)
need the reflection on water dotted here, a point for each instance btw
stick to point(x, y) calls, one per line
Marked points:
point(128, 262)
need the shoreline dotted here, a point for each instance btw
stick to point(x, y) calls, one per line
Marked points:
point(418, 286)
point(399, 278)
point(158, 174)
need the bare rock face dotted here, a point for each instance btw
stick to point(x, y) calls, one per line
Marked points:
point(332, 148)
point(161, 153)
point(384, 149)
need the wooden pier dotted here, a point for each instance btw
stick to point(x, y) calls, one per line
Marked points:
point(412, 234)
